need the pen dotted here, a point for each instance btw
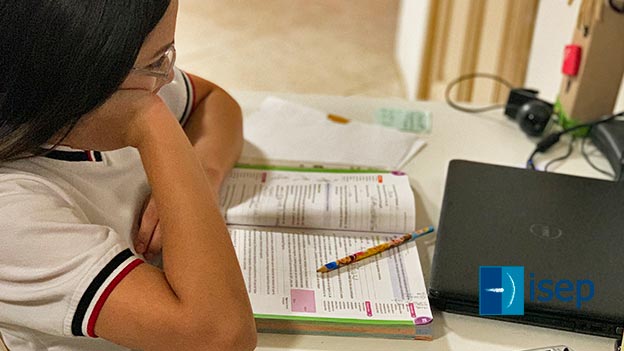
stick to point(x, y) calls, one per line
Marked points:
point(358, 256)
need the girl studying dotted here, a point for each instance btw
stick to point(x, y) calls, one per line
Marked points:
point(110, 156)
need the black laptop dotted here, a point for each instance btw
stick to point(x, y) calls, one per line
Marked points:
point(566, 232)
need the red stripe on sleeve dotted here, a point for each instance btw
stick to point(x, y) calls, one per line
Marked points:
point(100, 302)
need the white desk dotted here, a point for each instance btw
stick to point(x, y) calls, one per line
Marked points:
point(490, 138)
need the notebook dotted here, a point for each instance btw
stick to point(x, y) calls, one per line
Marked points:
point(286, 224)
point(566, 232)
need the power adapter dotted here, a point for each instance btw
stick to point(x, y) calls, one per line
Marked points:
point(609, 139)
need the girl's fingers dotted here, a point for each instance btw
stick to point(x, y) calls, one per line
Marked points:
point(154, 247)
point(147, 226)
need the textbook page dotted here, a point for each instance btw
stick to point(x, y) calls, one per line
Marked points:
point(367, 202)
point(279, 269)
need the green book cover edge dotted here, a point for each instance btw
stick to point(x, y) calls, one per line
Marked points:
point(308, 169)
point(342, 333)
point(334, 320)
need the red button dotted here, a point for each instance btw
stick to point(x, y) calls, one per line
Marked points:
point(571, 60)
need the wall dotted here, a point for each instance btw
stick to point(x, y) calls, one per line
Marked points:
point(411, 35)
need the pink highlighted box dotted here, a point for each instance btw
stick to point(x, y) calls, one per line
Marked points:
point(302, 300)
point(369, 309)
point(412, 310)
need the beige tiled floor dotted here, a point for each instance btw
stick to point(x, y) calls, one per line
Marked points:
point(341, 47)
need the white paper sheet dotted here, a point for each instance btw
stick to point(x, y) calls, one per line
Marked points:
point(285, 133)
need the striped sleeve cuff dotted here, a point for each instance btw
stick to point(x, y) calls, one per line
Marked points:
point(190, 100)
point(91, 302)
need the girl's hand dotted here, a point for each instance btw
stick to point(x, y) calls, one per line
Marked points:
point(120, 122)
point(148, 240)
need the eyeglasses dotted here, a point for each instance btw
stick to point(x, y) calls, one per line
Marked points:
point(162, 67)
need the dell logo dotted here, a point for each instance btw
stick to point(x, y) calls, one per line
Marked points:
point(546, 231)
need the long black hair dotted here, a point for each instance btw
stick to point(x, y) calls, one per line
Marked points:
point(60, 59)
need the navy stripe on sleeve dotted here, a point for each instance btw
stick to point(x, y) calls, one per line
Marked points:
point(93, 288)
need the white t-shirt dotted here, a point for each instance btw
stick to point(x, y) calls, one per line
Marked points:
point(66, 226)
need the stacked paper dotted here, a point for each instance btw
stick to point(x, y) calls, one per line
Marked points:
point(288, 134)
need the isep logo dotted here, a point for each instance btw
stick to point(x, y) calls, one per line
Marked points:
point(501, 290)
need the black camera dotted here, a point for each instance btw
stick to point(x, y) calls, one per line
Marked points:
point(531, 113)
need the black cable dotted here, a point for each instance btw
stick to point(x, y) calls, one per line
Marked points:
point(530, 164)
point(561, 158)
point(591, 163)
point(462, 78)
point(551, 139)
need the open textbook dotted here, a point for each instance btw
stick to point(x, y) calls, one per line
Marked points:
point(285, 224)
